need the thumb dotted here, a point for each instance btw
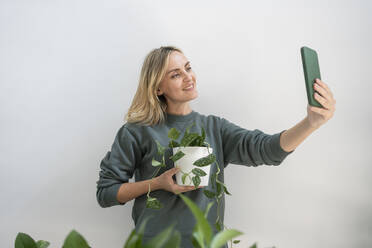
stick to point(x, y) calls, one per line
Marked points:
point(175, 170)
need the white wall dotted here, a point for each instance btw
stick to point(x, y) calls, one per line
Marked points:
point(68, 73)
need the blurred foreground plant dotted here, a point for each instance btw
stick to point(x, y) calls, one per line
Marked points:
point(202, 235)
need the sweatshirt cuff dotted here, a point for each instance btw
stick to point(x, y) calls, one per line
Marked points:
point(111, 194)
point(277, 150)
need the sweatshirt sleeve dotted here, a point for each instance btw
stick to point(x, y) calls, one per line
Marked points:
point(250, 148)
point(117, 167)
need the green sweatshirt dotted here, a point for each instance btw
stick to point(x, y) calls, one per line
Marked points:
point(134, 148)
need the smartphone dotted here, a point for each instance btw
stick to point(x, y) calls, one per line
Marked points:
point(310, 64)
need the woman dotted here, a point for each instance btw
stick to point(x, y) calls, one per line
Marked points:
point(167, 84)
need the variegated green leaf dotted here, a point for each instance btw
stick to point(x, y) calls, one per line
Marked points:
point(204, 161)
point(153, 203)
point(196, 181)
point(188, 138)
point(199, 172)
point(177, 156)
point(42, 244)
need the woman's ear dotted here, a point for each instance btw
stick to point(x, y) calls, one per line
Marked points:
point(159, 92)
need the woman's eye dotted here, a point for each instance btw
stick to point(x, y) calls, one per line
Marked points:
point(177, 75)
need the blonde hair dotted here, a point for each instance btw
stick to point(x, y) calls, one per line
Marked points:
point(147, 107)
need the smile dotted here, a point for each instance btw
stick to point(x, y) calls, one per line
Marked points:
point(190, 87)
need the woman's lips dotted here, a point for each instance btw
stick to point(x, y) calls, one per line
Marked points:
point(192, 87)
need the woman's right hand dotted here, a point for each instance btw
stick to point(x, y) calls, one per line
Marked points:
point(167, 183)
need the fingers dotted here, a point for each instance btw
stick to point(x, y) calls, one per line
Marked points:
point(324, 95)
point(324, 85)
point(180, 189)
point(173, 170)
point(323, 101)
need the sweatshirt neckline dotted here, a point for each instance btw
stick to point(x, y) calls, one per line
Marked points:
point(180, 118)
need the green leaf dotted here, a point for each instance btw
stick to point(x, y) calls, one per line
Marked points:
point(222, 237)
point(161, 149)
point(153, 203)
point(161, 239)
point(196, 181)
point(218, 226)
point(75, 240)
point(203, 137)
point(184, 178)
point(173, 143)
point(197, 240)
point(209, 194)
point(142, 227)
point(177, 156)
point(203, 227)
point(188, 138)
point(199, 172)
point(236, 241)
point(196, 141)
point(253, 246)
point(134, 240)
point(206, 211)
point(42, 244)
point(156, 163)
point(173, 134)
point(204, 161)
point(174, 241)
point(222, 185)
point(24, 240)
point(225, 189)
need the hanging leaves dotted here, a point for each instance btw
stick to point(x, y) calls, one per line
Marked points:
point(209, 194)
point(223, 186)
point(153, 203)
point(161, 149)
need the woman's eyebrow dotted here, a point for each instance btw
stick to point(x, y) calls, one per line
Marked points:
point(188, 62)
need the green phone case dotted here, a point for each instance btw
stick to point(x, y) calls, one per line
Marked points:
point(311, 72)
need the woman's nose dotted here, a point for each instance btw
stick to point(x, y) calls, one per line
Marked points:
point(188, 76)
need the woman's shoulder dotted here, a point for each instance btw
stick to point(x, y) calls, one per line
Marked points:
point(211, 117)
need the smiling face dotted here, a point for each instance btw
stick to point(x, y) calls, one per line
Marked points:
point(179, 84)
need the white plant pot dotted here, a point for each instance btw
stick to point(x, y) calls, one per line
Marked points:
point(192, 153)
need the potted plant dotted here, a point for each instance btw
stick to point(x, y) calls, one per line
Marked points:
point(191, 146)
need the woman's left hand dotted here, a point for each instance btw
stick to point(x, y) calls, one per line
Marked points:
point(318, 116)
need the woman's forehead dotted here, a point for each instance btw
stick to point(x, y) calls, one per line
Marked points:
point(176, 59)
